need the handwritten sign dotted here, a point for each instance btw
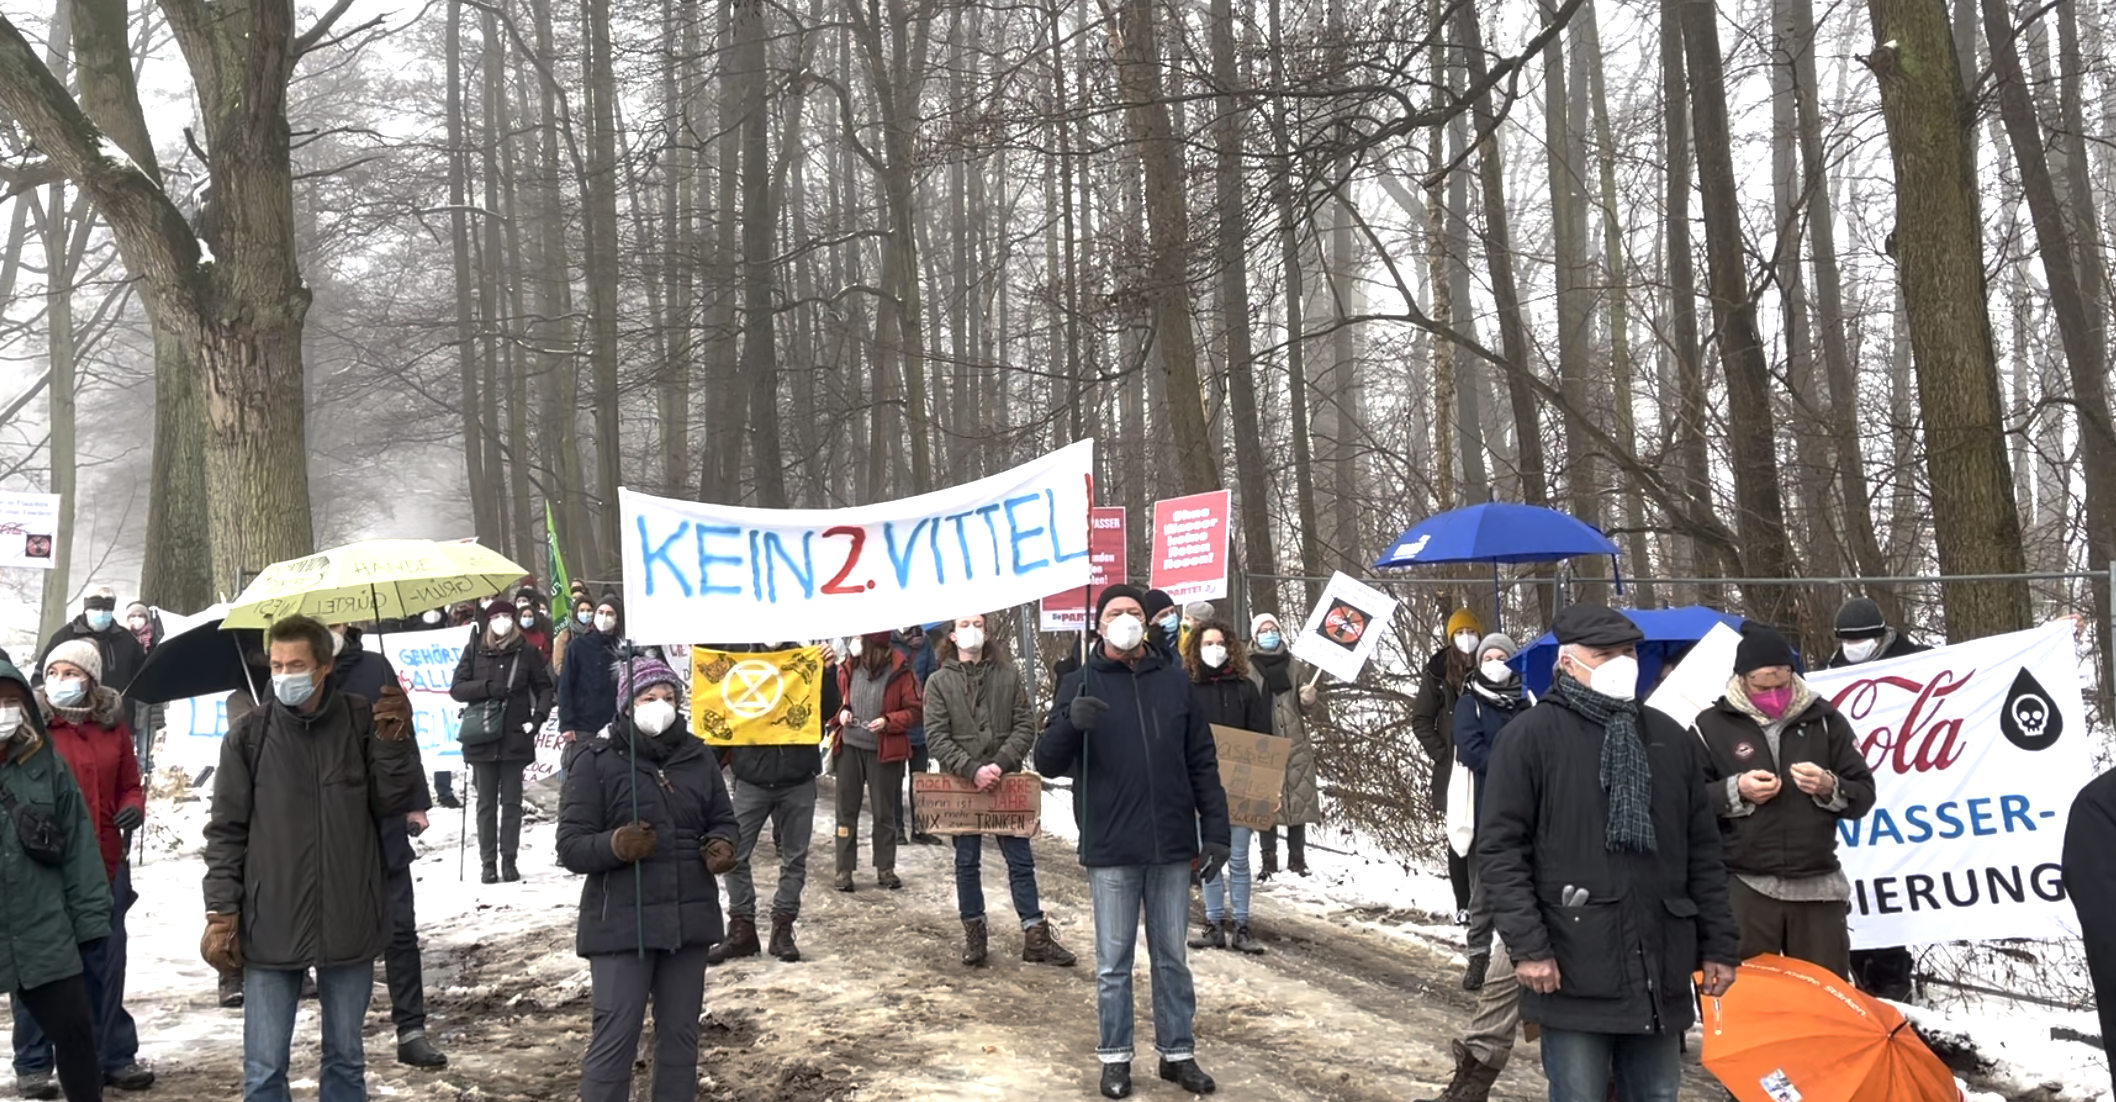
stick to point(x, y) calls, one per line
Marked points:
point(1108, 560)
point(948, 804)
point(745, 575)
point(1253, 771)
point(29, 530)
point(1190, 546)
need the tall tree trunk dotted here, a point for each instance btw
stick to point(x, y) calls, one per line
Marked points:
point(1573, 278)
point(59, 356)
point(760, 223)
point(1295, 322)
point(599, 198)
point(472, 404)
point(1699, 558)
point(1939, 256)
point(1760, 520)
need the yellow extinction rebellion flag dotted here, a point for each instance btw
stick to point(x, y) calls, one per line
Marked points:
point(773, 698)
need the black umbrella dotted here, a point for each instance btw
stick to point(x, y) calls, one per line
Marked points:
point(202, 661)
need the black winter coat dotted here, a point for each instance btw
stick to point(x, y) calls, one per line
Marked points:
point(2090, 837)
point(1148, 775)
point(1790, 835)
point(1433, 723)
point(365, 673)
point(673, 901)
point(587, 684)
point(120, 650)
point(514, 672)
point(1478, 721)
point(1232, 700)
point(1651, 919)
point(292, 844)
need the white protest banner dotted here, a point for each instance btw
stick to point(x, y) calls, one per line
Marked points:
point(191, 732)
point(730, 574)
point(1344, 628)
point(29, 530)
point(1977, 750)
point(425, 662)
point(1700, 678)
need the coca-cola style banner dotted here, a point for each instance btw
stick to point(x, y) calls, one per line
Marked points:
point(1977, 751)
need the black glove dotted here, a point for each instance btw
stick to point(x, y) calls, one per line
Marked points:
point(1086, 711)
point(1214, 859)
point(128, 818)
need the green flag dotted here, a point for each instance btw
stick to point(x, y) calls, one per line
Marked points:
point(561, 583)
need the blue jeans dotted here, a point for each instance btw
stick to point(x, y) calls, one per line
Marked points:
point(1216, 889)
point(1021, 877)
point(103, 968)
point(1121, 895)
point(270, 998)
point(1648, 1066)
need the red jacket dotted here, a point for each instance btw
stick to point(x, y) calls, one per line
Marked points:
point(903, 706)
point(99, 751)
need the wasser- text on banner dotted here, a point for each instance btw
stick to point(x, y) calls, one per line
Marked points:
point(730, 574)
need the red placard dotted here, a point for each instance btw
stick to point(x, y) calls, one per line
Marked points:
point(1190, 546)
point(1108, 558)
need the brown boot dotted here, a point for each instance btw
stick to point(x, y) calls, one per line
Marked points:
point(1473, 1079)
point(1040, 946)
point(782, 942)
point(741, 941)
point(976, 942)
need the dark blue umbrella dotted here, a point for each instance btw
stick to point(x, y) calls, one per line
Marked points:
point(1669, 631)
point(1499, 532)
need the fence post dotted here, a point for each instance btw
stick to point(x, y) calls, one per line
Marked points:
point(2105, 630)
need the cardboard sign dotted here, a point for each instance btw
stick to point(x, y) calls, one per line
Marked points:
point(1253, 771)
point(1108, 560)
point(948, 804)
point(1190, 546)
point(1344, 627)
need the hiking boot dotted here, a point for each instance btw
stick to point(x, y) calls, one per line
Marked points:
point(1116, 1081)
point(508, 872)
point(1040, 946)
point(39, 1085)
point(923, 839)
point(1298, 866)
point(132, 1077)
point(1473, 1080)
point(1214, 937)
point(782, 942)
point(844, 882)
point(1243, 943)
point(1473, 976)
point(231, 991)
point(1188, 1075)
point(887, 879)
point(416, 1051)
point(741, 941)
point(1270, 866)
point(489, 874)
point(976, 942)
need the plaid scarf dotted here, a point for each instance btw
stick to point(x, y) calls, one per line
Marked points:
point(1626, 774)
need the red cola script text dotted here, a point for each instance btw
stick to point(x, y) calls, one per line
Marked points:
point(1926, 741)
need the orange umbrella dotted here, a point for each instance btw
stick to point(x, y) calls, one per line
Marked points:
point(1790, 1031)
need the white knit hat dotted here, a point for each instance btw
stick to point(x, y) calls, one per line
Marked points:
point(78, 652)
point(1256, 626)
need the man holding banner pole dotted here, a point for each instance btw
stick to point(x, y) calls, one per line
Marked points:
point(978, 728)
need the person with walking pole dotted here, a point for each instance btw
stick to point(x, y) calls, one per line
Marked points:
point(645, 816)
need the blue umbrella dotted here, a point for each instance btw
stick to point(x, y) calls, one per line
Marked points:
point(1668, 632)
point(1499, 532)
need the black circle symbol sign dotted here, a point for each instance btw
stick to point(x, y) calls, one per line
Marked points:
point(2029, 719)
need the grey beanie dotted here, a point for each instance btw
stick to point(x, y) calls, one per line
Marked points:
point(1499, 642)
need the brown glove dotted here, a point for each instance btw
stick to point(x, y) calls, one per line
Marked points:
point(393, 715)
point(719, 855)
point(221, 945)
point(633, 842)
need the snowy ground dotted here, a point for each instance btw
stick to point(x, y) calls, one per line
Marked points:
point(1356, 1000)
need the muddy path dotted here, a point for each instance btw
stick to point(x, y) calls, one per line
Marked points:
point(1346, 1006)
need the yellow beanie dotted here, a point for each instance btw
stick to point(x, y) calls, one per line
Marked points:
point(1463, 620)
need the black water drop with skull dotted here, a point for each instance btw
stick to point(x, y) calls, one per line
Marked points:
point(2030, 720)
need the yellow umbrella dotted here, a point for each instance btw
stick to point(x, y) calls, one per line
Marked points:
point(372, 580)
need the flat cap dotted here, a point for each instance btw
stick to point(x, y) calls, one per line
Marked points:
point(1594, 626)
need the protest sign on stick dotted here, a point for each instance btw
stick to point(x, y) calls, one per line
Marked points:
point(948, 804)
point(29, 530)
point(1190, 546)
point(1108, 559)
point(1253, 771)
point(1344, 627)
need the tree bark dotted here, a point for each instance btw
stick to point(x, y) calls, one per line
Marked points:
point(599, 232)
point(1231, 203)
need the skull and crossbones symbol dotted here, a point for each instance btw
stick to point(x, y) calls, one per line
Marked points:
point(2032, 713)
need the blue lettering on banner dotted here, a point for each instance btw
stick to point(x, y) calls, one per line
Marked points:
point(962, 540)
point(902, 562)
point(2014, 815)
point(804, 571)
point(706, 559)
point(1016, 535)
point(654, 554)
point(1050, 510)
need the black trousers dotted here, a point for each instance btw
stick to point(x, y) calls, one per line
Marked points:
point(61, 1008)
point(1458, 877)
point(499, 809)
point(400, 962)
point(1296, 846)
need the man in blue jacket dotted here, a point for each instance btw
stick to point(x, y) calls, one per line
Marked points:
point(1125, 728)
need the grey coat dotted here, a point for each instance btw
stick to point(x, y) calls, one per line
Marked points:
point(1302, 796)
point(977, 714)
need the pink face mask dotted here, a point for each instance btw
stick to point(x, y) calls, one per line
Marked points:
point(1773, 702)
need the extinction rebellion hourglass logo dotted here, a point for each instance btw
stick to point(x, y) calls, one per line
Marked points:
point(2029, 720)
